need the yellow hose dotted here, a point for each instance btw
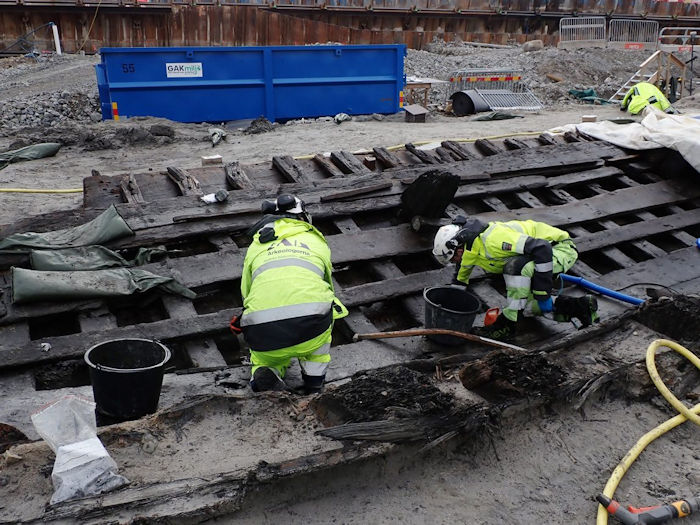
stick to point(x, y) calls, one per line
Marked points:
point(684, 415)
point(33, 190)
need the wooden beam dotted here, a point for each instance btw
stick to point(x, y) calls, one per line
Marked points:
point(348, 163)
point(290, 169)
point(487, 147)
point(74, 345)
point(386, 158)
point(236, 177)
point(130, 191)
point(327, 166)
point(186, 183)
point(426, 157)
point(460, 151)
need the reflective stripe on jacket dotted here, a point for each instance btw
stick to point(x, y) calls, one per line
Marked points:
point(286, 285)
point(502, 240)
point(643, 94)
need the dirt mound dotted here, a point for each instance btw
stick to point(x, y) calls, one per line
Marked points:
point(677, 317)
point(379, 394)
point(259, 125)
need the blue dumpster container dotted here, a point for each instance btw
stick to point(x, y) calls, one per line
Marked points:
point(215, 84)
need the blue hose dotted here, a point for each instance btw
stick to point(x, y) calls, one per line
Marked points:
point(597, 288)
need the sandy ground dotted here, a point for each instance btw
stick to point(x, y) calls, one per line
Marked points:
point(544, 469)
point(72, 163)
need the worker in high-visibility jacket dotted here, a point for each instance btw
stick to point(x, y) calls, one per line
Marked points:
point(528, 254)
point(289, 304)
point(642, 95)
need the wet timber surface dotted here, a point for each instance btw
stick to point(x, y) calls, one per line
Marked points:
point(634, 217)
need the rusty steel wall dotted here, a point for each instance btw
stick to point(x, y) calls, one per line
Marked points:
point(216, 25)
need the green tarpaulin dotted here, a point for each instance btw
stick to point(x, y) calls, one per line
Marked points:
point(88, 258)
point(36, 151)
point(106, 227)
point(31, 285)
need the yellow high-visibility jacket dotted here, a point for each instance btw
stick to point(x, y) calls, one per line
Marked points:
point(643, 94)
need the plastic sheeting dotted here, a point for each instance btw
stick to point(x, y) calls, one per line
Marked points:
point(36, 151)
point(656, 130)
point(32, 285)
point(108, 226)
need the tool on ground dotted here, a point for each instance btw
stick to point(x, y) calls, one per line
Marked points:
point(436, 331)
point(649, 515)
point(600, 289)
point(684, 414)
point(491, 315)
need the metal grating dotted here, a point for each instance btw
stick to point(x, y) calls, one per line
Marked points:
point(504, 99)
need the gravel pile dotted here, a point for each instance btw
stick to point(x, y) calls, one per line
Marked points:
point(57, 91)
point(604, 70)
point(50, 110)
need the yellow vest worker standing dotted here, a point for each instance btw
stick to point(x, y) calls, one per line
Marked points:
point(642, 95)
point(289, 304)
point(528, 254)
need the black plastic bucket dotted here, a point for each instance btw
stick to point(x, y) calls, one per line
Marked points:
point(450, 308)
point(126, 376)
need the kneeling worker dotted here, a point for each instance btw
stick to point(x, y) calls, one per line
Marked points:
point(289, 305)
point(528, 254)
point(642, 95)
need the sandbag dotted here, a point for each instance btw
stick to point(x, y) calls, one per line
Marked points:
point(33, 152)
point(31, 285)
point(108, 226)
point(88, 258)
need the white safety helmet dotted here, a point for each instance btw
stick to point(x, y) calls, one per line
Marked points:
point(444, 245)
point(287, 204)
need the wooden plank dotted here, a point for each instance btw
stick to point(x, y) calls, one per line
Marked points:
point(487, 147)
point(671, 270)
point(460, 151)
point(236, 177)
point(426, 157)
point(511, 143)
point(97, 320)
point(290, 169)
point(203, 352)
point(639, 230)
point(327, 166)
point(546, 140)
point(414, 305)
point(445, 154)
point(348, 163)
point(130, 191)
point(618, 257)
point(74, 345)
point(386, 158)
point(186, 183)
point(587, 176)
point(570, 136)
point(617, 202)
point(357, 191)
point(529, 199)
point(495, 204)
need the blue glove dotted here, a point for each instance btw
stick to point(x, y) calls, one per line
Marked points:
point(545, 306)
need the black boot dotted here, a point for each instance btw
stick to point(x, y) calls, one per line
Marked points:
point(502, 329)
point(585, 309)
point(266, 379)
point(313, 384)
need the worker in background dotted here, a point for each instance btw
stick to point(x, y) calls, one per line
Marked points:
point(642, 95)
point(528, 254)
point(289, 305)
